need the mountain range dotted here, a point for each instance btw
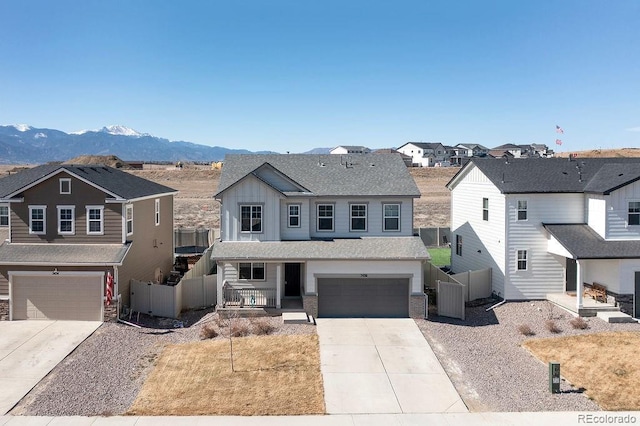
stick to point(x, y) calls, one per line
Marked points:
point(23, 144)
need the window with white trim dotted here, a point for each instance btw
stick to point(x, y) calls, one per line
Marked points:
point(358, 220)
point(485, 209)
point(129, 218)
point(95, 220)
point(634, 213)
point(325, 217)
point(293, 214)
point(37, 220)
point(66, 220)
point(251, 218)
point(522, 260)
point(157, 212)
point(65, 186)
point(391, 220)
point(254, 271)
point(4, 215)
point(522, 210)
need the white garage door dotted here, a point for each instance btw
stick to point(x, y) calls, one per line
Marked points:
point(57, 297)
point(363, 297)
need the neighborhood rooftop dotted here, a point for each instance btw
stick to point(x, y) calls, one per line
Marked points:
point(582, 242)
point(329, 175)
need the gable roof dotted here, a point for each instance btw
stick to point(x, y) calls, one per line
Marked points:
point(119, 184)
point(507, 146)
point(328, 175)
point(424, 145)
point(352, 147)
point(584, 243)
point(555, 175)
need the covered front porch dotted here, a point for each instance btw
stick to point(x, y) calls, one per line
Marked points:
point(588, 308)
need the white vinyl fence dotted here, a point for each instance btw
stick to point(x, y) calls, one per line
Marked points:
point(199, 292)
point(477, 283)
point(451, 299)
point(156, 299)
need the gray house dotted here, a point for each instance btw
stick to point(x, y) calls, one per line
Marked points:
point(338, 234)
point(70, 228)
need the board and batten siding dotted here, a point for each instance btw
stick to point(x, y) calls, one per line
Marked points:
point(250, 191)
point(596, 213)
point(545, 272)
point(483, 242)
point(617, 210)
point(294, 233)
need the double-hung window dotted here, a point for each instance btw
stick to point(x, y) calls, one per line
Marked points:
point(293, 215)
point(634, 213)
point(37, 220)
point(66, 220)
point(522, 260)
point(4, 215)
point(129, 218)
point(95, 220)
point(358, 217)
point(522, 209)
point(157, 212)
point(391, 220)
point(485, 209)
point(325, 217)
point(251, 271)
point(251, 218)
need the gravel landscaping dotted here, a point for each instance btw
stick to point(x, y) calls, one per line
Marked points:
point(105, 373)
point(490, 369)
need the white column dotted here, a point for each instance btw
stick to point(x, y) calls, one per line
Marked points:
point(579, 286)
point(220, 283)
point(278, 284)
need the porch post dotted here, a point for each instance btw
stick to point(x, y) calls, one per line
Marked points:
point(220, 283)
point(278, 284)
point(579, 285)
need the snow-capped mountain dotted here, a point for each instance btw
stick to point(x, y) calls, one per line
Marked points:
point(20, 144)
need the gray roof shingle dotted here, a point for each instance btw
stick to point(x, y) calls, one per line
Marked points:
point(584, 243)
point(63, 254)
point(327, 175)
point(125, 185)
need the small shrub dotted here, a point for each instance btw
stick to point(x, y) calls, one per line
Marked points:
point(240, 329)
point(209, 331)
point(525, 330)
point(552, 326)
point(262, 326)
point(579, 323)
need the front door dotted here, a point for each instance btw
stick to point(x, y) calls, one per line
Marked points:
point(572, 275)
point(636, 296)
point(292, 280)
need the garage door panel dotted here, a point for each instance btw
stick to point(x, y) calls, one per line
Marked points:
point(363, 297)
point(57, 297)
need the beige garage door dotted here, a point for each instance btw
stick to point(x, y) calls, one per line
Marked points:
point(58, 297)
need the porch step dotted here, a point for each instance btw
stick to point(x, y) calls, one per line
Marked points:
point(295, 318)
point(615, 317)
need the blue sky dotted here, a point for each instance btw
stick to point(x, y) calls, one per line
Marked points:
point(294, 75)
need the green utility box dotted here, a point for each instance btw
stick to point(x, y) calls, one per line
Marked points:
point(554, 377)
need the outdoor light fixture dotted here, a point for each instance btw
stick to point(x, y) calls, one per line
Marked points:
point(55, 271)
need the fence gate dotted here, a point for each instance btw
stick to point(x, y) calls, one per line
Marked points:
point(451, 299)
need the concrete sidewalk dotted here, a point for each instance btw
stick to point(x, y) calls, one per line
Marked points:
point(445, 419)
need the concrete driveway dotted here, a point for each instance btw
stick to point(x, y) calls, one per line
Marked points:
point(29, 350)
point(382, 366)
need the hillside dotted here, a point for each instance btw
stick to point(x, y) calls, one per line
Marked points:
point(603, 153)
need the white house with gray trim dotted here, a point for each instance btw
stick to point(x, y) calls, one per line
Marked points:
point(336, 232)
point(550, 226)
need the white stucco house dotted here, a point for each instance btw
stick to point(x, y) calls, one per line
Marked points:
point(337, 234)
point(550, 226)
point(425, 154)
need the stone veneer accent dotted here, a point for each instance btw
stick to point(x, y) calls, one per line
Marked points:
point(416, 305)
point(310, 304)
point(4, 310)
point(110, 313)
point(623, 301)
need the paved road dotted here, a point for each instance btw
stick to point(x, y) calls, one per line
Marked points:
point(29, 350)
point(374, 366)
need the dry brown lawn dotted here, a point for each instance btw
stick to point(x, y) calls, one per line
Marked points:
point(274, 375)
point(606, 365)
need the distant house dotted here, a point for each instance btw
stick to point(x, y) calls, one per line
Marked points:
point(407, 160)
point(513, 149)
point(462, 152)
point(350, 149)
point(335, 234)
point(425, 154)
point(69, 227)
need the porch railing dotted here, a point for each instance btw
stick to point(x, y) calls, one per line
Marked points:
point(250, 297)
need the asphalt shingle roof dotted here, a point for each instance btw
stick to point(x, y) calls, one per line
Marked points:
point(123, 184)
point(327, 175)
point(556, 175)
point(368, 248)
point(584, 243)
point(62, 254)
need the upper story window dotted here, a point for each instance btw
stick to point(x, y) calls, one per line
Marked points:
point(37, 220)
point(4, 215)
point(358, 217)
point(65, 186)
point(325, 217)
point(522, 260)
point(251, 218)
point(485, 209)
point(251, 271)
point(293, 215)
point(66, 220)
point(634, 213)
point(157, 212)
point(391, 220)
point(95, 220)
point(522, 210)
point(459, 245)
point(129, 218)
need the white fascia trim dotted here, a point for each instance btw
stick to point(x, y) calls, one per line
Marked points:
point(12, 200)
point(148, 197)
point(57, 172)
point(47, 273)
